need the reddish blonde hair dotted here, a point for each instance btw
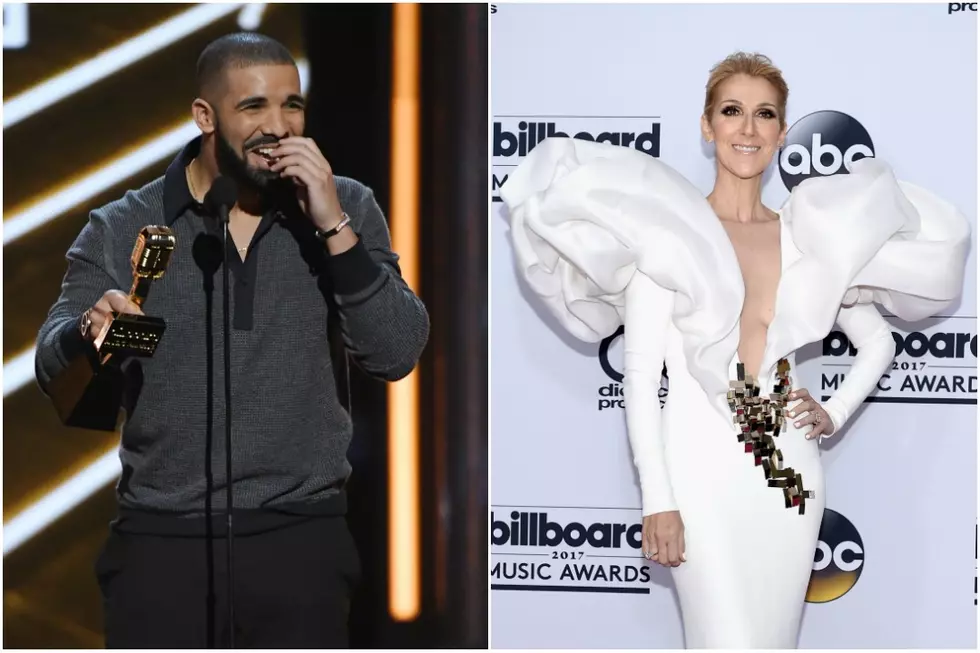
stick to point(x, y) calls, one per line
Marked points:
point(753, 65)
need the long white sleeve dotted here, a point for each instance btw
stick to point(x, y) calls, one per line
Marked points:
point(872, 336)
point(648, 308)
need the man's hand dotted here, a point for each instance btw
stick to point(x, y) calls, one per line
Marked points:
point(663, 538)
point(300, 159)
point(113, 300)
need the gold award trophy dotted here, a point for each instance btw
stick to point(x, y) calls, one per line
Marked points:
point(88, 393)
point(127, 334)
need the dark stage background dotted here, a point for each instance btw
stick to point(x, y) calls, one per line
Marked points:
point(62, 158)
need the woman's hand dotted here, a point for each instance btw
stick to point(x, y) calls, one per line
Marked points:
point(810, 412)
point(663, 538)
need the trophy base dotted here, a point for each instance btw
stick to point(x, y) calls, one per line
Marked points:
point(125, 334)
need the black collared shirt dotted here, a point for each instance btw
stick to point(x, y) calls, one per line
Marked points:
point(178, 200)
point(289, 427)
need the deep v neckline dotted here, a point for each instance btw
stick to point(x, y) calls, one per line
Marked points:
point(775, 300)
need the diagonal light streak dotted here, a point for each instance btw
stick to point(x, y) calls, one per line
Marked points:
point(113, 60)
point(18, 372)
point(109, 175)
point(100, 181)
point(59, 501)
point(251, 16)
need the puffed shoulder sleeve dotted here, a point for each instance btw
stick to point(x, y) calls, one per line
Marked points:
point(586, 217)
point(890, 242)
point(571, 248)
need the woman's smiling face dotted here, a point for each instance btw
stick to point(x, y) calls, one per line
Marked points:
point(745, 125)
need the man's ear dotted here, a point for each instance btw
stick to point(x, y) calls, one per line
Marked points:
point(204, 116)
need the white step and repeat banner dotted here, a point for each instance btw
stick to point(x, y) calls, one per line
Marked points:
point(896, 561)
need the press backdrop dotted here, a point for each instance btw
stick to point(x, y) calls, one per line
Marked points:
point(896, 562)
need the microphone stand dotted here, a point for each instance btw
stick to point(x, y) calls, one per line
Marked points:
point(225, 219)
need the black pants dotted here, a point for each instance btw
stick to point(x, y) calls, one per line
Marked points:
point(292, 588)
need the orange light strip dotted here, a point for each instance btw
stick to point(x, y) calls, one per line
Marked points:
point(404, 515)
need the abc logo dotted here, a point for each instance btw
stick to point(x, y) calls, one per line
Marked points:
point(821, 144)
point(838, 560)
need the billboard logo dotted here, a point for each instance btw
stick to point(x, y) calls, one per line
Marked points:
point(528, 134)
point(936, 365)
point(515, 136)
point(558, 549)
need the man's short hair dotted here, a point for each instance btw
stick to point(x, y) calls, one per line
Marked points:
point(238, 50)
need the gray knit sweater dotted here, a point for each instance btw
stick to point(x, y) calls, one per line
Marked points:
point(290, 430)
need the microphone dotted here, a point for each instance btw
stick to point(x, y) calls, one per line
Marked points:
point(220, 198)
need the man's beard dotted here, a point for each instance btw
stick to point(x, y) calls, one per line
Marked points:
point(266, 183)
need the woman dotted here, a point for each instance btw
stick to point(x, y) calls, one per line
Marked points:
point(724, 291)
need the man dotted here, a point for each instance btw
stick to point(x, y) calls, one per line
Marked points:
point(309, 247)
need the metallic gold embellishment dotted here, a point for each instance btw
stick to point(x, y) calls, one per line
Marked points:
point(759, 421)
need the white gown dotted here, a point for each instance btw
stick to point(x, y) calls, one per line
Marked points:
point(607, 236)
